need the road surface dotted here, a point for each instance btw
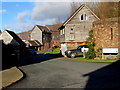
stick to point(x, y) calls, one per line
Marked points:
point(61, 73)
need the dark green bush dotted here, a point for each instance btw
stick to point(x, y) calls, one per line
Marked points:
point(91, 52)
point(99, 53)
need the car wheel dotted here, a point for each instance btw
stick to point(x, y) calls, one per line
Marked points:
point(72, 55)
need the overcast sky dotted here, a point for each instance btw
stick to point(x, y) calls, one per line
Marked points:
point(22, 16)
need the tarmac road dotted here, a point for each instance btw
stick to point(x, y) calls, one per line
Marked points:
point(58, 73)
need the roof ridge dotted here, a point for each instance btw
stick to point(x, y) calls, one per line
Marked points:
point(76, 11)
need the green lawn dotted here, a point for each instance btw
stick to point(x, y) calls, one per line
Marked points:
point(55, 51)
point(84, 59)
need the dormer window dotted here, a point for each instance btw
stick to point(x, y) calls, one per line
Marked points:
point(83, 17)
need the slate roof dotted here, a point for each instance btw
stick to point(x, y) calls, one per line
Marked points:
point(53, 28)
point(25, 35)
point(42, 28)
point(34, 42)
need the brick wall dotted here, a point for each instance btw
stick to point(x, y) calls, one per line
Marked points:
point(106, 33)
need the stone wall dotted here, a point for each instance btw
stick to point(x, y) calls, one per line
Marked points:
point(106, 33)
point(76, 31)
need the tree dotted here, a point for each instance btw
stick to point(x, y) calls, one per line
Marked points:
point(74, 6)
point(101, 9)
point(107, 10)
point(57, 21)
point(91, 52)
point(91, 37)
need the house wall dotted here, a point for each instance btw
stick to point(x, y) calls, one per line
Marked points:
point(46, 40)
point(8, 39)
point(46, 37)
point(36, 34)
point(80, 28)
point(55, 38)
point(106, 33)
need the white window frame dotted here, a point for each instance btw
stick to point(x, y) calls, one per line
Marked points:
point(85, 17)
point(72, 36)
point(63, 31)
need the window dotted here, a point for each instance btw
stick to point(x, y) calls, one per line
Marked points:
point(83, 17)
point(111, 34)
point(71, 29)
point(72, 36)
point(63, 31)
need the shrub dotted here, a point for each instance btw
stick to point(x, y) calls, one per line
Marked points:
point(99, 53)
point(91, 52)
point(118, 56)
point(111, 57)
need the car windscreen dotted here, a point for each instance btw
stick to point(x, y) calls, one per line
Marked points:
point(85, 46)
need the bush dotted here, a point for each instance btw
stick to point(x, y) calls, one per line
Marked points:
point(111, 57)
point(99, 53)
point(91, 52)
point(118, 56)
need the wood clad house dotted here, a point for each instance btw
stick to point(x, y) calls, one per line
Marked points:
point(75, 29)
point(13, 43)
point(55, 34)
point(10, 37)
point(41, 34)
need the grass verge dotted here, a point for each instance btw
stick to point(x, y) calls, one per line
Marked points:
point(95, 60)
point(55, 51)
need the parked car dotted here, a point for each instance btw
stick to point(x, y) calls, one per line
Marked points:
point(77, 52)
point(31, 51)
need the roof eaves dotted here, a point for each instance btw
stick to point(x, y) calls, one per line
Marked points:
point(73, 14)
point(83, 5)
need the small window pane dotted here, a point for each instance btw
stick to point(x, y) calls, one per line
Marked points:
point(71, 29)
point(63, 31)
point(83, 17)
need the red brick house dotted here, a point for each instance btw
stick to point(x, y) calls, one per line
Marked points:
point(106, 34)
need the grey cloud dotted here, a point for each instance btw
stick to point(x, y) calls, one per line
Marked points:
point(50, 10)
point(3, 11)
point(18, 27)
point(42, 14)
point(22, 16)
